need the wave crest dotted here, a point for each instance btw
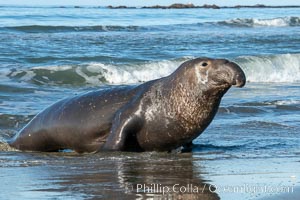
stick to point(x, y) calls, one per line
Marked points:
point(252, 22)
point(281, 68)
point(96, 73)
point(271, 68)
point(54, 29)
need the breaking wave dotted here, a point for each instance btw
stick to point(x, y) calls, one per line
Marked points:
point(270, 68)
point(252, 22)
point(96, 73)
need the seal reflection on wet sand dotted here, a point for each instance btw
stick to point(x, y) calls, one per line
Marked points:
point(159, 115)
point(106, 175)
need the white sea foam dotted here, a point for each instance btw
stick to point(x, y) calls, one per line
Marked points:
point(287, 102)
point(55, 68)
point(253, 22)
point(129, 74)
point(272, 22)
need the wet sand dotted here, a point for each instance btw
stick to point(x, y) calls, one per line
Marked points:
point(293, 195)
point(101, 176)
point(151, 175)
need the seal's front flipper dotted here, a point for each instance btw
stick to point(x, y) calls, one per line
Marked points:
point(188, 147)
point(123, 133)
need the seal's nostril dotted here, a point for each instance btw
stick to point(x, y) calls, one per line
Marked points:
point(222, 61)
point(240, 80)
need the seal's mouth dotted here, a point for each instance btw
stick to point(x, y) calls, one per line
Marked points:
point(239, 81)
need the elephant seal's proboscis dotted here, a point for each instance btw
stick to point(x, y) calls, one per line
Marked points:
point(159, 115)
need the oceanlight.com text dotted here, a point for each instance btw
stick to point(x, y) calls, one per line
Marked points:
point(156, 188)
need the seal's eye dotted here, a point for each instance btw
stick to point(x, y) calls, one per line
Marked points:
point(204, 64)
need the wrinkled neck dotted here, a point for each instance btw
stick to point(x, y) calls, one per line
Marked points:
point(192, 90)
point(192, 104)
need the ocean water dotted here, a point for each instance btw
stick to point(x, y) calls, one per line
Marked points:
point(48, 53)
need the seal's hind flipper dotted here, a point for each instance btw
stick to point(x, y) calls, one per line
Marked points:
point(6, 147)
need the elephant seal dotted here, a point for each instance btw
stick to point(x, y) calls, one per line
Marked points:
point(159, 115)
